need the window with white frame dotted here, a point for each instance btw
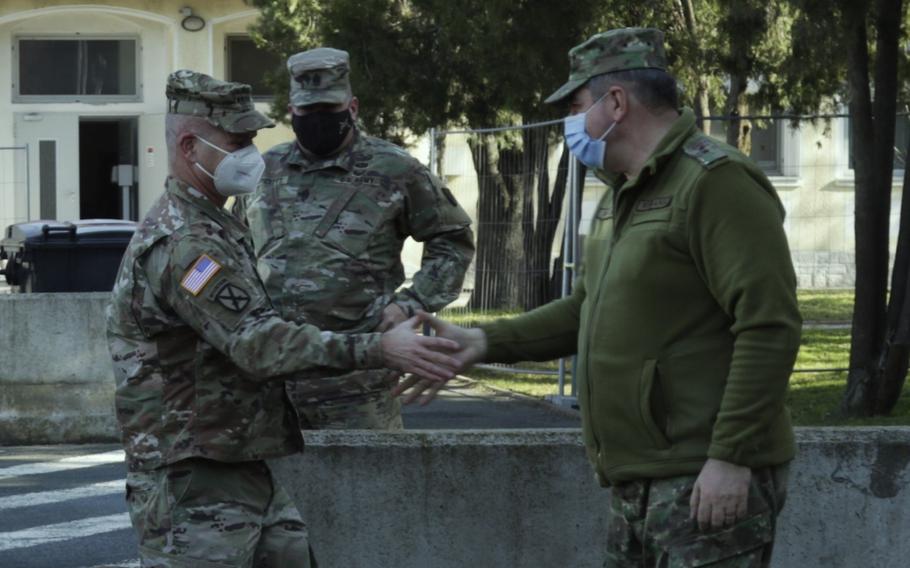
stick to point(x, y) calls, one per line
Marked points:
point(766, 142)
point(901, 134)
point(248, 63)
point(76, 69)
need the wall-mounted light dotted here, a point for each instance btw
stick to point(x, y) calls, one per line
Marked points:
point(191, 22)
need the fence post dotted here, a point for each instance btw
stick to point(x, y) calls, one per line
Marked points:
point(434, 159)
point(570, 251)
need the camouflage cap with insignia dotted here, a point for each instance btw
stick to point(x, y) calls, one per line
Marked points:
point(320, 75)
point(227, 105)
point(611, 51)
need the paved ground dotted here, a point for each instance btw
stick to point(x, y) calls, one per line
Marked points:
point(62, 506)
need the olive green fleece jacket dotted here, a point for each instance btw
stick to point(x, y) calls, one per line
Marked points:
point(684, 317)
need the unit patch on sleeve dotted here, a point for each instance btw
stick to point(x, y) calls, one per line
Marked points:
point(202, 271)
point(232, 297)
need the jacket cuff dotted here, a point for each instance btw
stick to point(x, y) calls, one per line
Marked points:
point(498, 336)
point(368, 353)
point(408, 302)
point(738, 456)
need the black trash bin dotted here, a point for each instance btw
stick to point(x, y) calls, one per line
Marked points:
point(55, 256)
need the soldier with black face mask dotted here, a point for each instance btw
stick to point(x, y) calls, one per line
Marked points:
point(328, 222)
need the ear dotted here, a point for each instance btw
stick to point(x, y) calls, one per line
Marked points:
point(620, 98)
point(354, 107)
point(186, 146)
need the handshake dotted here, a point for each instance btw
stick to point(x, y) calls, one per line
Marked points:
point(431, 360)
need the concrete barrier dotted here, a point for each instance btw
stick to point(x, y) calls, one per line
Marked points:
point(56, 379)
point(528, 499)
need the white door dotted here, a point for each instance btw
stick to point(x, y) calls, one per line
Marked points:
point(53, 148)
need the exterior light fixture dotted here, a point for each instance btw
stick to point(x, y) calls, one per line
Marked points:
point(191, 22)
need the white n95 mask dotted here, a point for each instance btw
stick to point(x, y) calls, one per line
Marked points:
point(589, 151)
point(239, 172)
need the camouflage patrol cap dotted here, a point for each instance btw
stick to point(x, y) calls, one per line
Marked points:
point(226, 105)
point(320, 76)
point(611, 51)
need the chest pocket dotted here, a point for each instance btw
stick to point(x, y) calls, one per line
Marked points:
point(651, 214)
point(263, 213)
point(341, 216)
point(597, 242)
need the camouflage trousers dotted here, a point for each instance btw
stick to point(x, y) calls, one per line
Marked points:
point(372, 410)
point(200, 513)
point(650, 525)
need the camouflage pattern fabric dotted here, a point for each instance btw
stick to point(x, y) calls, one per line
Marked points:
point(195, 342)
point(328, 235)
point(378, 410)
point(611, 51)
point(650, 525)
point(200, 513)
point(225, 105)
point(320, 75)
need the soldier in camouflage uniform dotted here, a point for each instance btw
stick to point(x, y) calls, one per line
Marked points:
point(200, 354)
point(684, 319)
point(328, 223)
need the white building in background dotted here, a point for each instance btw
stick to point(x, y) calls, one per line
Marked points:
point(82, 104)
point(82, 128)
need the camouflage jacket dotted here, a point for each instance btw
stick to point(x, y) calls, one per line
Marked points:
point(328, 234)
point(195, 342)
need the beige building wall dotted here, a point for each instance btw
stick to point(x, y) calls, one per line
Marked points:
point(165, 47)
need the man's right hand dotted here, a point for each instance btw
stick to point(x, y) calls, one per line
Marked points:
point(472, 348)
point(404, 350)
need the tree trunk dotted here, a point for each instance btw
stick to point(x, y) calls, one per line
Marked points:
point(895, 348)
point(738, 130)
point(873, 147)
point(499, 230)
point(543, 231)
point(701, 99)
point(518, 214)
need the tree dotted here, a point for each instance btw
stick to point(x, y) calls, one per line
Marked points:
point(879, 346)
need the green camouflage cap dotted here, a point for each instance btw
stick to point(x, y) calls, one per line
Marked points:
point(229, 106)
point(610, 51)
point(320, 75)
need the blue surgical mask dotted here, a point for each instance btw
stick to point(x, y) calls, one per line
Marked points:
point(589, 151)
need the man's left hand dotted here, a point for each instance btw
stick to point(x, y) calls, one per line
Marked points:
point(720, 497)
point(392, 315)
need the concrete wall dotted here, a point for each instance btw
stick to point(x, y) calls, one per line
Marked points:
point(528, 499)
point(56, 379)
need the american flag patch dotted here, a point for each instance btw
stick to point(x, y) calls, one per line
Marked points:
point(199, 274)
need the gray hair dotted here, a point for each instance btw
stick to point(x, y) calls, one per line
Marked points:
point(654, 88)
point(177, 124)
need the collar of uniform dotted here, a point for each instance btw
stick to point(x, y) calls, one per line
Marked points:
point(344, 159)
point(193, 197)
point(681, 129)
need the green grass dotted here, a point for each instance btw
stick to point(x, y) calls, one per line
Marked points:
point(826, 305)
point(814, 397)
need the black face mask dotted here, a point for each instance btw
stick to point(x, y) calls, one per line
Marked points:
point(322, 132)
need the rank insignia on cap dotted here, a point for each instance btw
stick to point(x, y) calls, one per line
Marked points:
point(202, 271)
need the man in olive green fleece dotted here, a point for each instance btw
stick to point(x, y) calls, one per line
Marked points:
point(684, 320)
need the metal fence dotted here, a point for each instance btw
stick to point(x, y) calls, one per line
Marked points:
point(531, 208)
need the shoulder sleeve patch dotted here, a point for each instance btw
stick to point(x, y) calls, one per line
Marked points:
point(706, 151)
point(200, 273)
